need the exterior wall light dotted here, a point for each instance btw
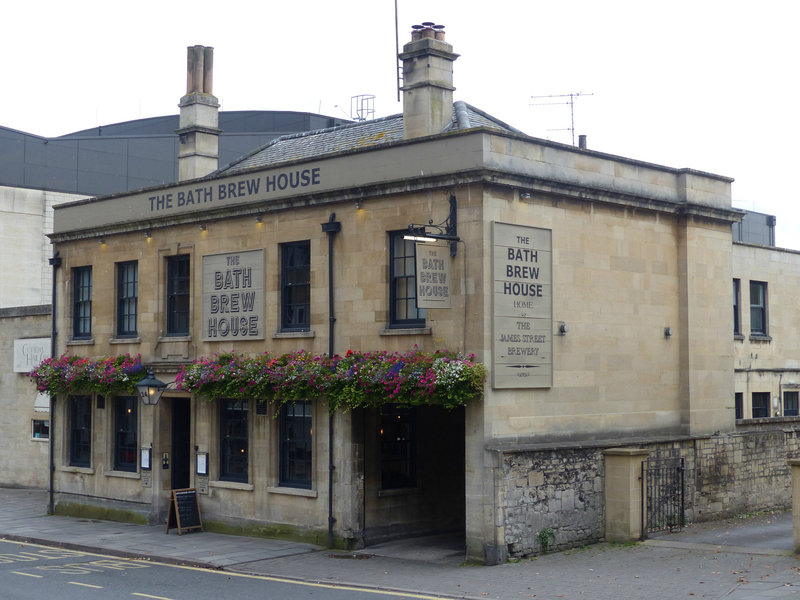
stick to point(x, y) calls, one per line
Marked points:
point(667, 332)
point(203, 227)
point(563, 328)
point(148, 234)
point(524, 195)
point(150, 389)
point(447, 230)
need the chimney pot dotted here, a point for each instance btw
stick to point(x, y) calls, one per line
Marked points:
point(582, 142)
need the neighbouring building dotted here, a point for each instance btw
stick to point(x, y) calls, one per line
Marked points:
point(594, 288)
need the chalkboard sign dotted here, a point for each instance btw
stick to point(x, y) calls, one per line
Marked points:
point(184, 511)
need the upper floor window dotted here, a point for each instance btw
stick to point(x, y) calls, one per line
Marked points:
point(758, 308)
point(296, 286)
point(790, 404)
point(127, 298)
point(80, 430)
point(125, 433)
point(82, 302)
point(234, 447)
point(760, 408)
point(178, 294)
point(403, 311)
point(295, 446)
point(737, 313)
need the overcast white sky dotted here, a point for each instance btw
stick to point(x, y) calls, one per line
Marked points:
point(706, 84)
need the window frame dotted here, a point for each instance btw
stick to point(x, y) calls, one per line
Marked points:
point(234, 434)
point(762, 397)
point(178, 295)
point(79, 408)
point(759, 308)
point(794, 397)
point(290, 444)
point(738, 405)
point(403, 274)
point(294, 285)
point(127, 299)
point(125, 424)
point(82, 302)
point(737, 308)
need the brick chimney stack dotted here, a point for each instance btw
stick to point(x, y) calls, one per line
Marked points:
point(198, 153)
point(427, 81)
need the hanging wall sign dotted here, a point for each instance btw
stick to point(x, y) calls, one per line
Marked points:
point(522, 323)
point(233, 296)
point(433, 276)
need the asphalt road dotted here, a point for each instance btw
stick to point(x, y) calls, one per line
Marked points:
point(30, 571)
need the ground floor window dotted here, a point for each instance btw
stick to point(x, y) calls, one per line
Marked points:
point(41, 429)
point(398, 447)
point(295, 448)
point(790, 407)
point(125, 433)
point(760, 404)
point(234, 446)
point(79, 410)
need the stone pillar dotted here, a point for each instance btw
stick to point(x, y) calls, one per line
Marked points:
point(794, 465)
point(623, 493)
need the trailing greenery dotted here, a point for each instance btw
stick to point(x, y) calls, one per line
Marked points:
point(546, 538)
point(355, 380)
point(78, 374)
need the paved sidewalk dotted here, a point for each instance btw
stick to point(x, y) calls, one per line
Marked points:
point(735, 560)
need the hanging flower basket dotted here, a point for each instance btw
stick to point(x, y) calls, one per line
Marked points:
point(355, 380)
point(80, 375)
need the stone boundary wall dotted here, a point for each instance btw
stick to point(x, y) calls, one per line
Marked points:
point(562, 489)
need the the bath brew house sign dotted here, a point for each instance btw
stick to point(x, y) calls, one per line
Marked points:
point(522, 319)
point(233, 296)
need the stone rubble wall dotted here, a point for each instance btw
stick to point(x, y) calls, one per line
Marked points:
point(562, 490)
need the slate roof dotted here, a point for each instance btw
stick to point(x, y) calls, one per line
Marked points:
point(352, 136)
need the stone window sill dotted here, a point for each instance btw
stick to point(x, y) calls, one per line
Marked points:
point(755, 337)
point(123, 474)
point(231, 485)
point(290, 491)
point(293, 334)
point(83, 470)
point(125, 340)
point(407, 331)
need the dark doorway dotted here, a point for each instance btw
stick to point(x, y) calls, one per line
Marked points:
point(181, 443)
point(414, 472)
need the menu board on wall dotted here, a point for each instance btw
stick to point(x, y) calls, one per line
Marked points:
point(522, 318)
point(233, 296)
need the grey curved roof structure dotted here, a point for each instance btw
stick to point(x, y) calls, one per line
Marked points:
point(121, 157)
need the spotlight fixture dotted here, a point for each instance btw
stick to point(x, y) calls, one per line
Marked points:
point(203, 227)
point(524, 195)
point(447, 230)
point(563, 328)
point(667, 331)
point(101, 241)
point(148, 234)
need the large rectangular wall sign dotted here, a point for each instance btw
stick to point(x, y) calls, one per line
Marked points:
point(522, 319)
point(233, 296)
